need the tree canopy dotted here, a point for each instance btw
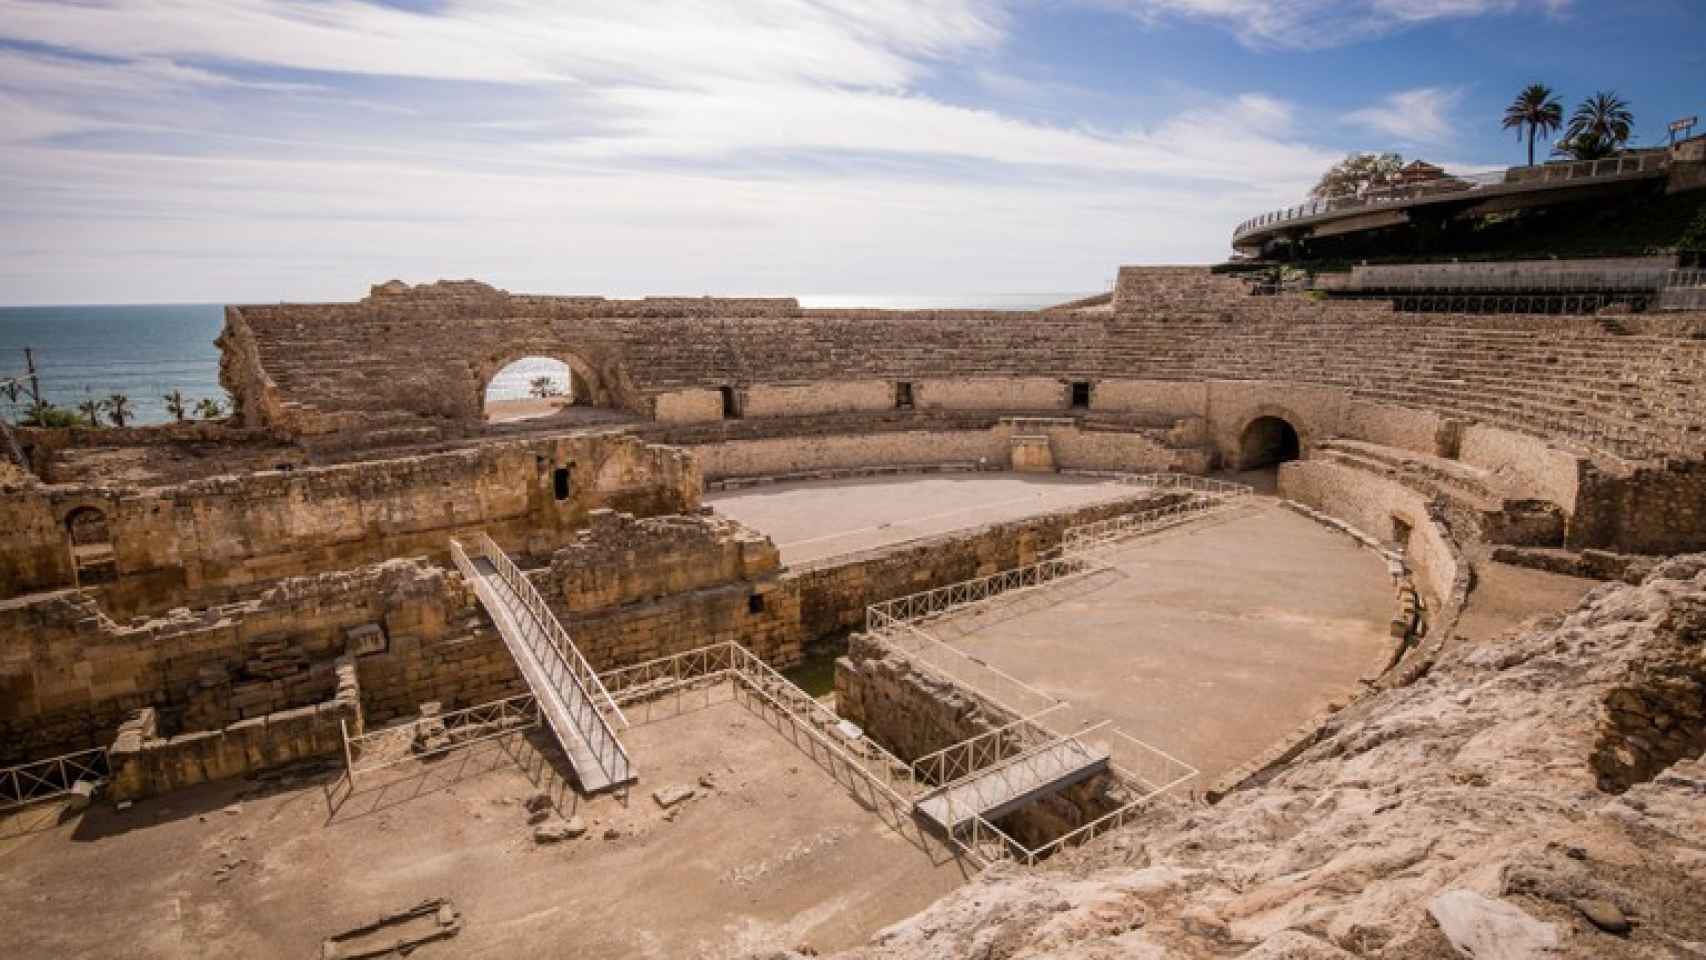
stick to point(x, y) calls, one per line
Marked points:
point(1357, 174)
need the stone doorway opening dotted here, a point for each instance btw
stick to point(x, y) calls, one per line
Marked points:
point(92, 550)
point(532, 387)
point(1268, 442)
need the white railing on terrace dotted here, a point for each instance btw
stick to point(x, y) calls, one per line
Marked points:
point(1005, 691)
point(1086, 539)
point(1166, 774)
point(1456, 184)
point(728, 659)
point(402, 742)
point(959, 760)
point(1012, 777)
point(929, 604)
point(554, 652)
point(40, 780)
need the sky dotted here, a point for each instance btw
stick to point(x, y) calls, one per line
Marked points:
point(265, 150)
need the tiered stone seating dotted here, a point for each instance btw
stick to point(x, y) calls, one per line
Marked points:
point(1635, 397)
point(1477, 499)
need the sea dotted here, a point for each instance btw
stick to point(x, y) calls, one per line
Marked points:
point(146, 351)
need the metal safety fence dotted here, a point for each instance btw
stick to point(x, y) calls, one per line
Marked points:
point(546, 650)
point(1516, 179)
point(40, 780)
point(429, 736)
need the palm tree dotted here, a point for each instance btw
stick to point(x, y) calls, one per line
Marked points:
point(118, 408)
point(208, 408)
point(1604, 117)
point(543, 387)
point(1586, 145)
point(1536, 109)
point(91, 408)
point(176, 405)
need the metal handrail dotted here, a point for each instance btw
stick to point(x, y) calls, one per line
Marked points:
point(887, 763)
point(39, 780)
point(1454, 184)
point(927, 604)
point(590, 721)
point(390, 746)
point(524, 588)
point(1002, 768)
point(970, 745)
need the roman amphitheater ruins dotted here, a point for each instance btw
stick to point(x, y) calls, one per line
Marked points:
point(1192, 620)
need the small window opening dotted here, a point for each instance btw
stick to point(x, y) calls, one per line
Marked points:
point(560, 483)
point(903, 395)
point(1081, 395)
point(1400, 531)
point(731, 403)
point(755, 603)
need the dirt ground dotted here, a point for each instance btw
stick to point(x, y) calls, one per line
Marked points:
point(1209, 640)
point(775, 852)
point(505, 411)
point(812, 520)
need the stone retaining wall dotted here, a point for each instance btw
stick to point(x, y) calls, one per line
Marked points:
point(144, 763)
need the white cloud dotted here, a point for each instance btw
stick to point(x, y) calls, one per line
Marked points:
point(1418, 116)
point(764, 146)
point(1312, 24)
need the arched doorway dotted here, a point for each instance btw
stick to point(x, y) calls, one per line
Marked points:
point(1268, 442)
point(92, 551)
point(532, 387)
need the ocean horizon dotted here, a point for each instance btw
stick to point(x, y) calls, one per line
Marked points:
point(147, 350)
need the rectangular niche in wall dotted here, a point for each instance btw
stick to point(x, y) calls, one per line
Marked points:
point(560, 482)
point(731, 403)
point(903, 395)
point(365, 639)
point(1081, 395)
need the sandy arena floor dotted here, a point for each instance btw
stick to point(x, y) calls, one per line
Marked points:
point(1208, 640)
point(826, 518)
point(775, 853)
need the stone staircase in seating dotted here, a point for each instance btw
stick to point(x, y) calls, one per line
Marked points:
point(1474, 499)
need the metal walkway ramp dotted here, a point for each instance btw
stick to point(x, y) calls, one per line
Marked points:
point(569, 694)
point(1006, 785)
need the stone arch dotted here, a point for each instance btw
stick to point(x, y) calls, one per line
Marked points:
point(87, 526)
point(1270, 436)
point(89, 537)
point(589, 387)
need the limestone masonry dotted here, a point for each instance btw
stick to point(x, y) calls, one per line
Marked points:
point(202, 603)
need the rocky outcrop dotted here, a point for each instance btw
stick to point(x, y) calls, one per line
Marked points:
point(1430, 820)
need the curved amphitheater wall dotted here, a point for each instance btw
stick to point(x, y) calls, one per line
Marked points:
point(1371, 504)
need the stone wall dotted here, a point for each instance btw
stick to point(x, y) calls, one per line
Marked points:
point(144, 763)
point(206, 540)
point(1371, 503)
point(912, 713)
point(618, 559)
point(69, 674)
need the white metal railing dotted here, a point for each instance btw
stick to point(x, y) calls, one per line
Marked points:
point(389, 746)
point(666, 674)
point(728, 659)
point(540, 610)
point(878, 767)
point(1012, 776)
point(1450, 185)
point(550, 647)
point(958, 760)
point(929, 604)
point(1086, 539)
point(40, 780)
point(1165, 773)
